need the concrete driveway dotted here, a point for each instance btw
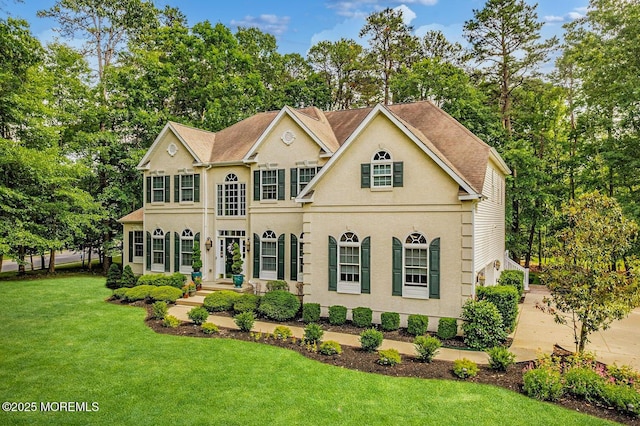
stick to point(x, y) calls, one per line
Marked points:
point(537, 332)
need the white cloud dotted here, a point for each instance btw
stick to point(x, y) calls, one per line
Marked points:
point(408, 15)
point(272, 24)
point(452, 32)
point(553, 18)
point(422, 2)
point(574, 15)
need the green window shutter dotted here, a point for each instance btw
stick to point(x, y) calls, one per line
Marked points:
point(281, 257)
point(196, 188)
point(149, 189)
point(365, 175)
point(434, 269)
point(256, 256)
point(219, 201)
point(365, 266)
point(176, 189)
point(149, 248)
point(256, 186)
point(167, 252)
point(176, 253)
point(396, 267)
point(333, 264)
point(167, 189)
point(398, 179)
point(281, 181)
point(294, 182)
point(130, 246)
point(294, 257)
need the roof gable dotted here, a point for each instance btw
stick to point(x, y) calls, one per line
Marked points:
point(195, 141)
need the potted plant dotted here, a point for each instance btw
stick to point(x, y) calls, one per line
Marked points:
point(236, 266)
point(192, 289)
point(196, 263)
point(185, 291)
point(198, 283)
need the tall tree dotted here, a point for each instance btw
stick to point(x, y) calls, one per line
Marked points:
point(434, 45)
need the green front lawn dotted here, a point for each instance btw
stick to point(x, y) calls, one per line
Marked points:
point(62, 342)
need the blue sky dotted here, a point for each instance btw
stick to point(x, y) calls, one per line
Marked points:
point(298, 25)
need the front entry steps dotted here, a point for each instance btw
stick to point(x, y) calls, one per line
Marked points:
point(208, 288)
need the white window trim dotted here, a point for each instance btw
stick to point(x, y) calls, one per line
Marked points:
point(138, 259)
point(263, 185)
point(315, 171)
point(154, 189)
point(264, 274)
point(193, 188)
point(384, 162)
point(157, 267)
point(186, 269)
point(413, 291)
point(241, 188)
point(349, 287)
point(300, 257)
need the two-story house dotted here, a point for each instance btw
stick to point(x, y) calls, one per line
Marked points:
point(398, 208)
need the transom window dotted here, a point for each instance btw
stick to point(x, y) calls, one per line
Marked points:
point(186, 187)
point(157, 185)
point(232, 200)
point(157, 249)
point(138, 244)
point(382, 170)
point(415, 260)
point(269, 254)
point(269, 184)
point(305, 175)
point(186, 249)
point(349, 258)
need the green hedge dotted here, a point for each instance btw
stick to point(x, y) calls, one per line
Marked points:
point(390, 321)
point(447, 328)
point(279, 305)
point(513, 279)
point(482, 325)
point(310, 312)
point(417, 324)
point(165, 293)
point(139, 292)
point(362, 317)
point(337, 315)
point(371, 339)
point(247, 302)
point(174, 280)
point(222, 300)
point(505, 298)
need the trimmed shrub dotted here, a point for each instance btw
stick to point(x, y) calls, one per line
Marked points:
point(513, 279)
point(277, 285)
point(371, 339)
point(337, 315)
point(464, 368)
point(244, 321)
point(362, 317)
point(170, 321)
point(482, 325)
point(113, 276)
point(447, 328)
point(282, 332)
point(210, 328)
point(140, 292)
point(506, 300)
point(426, 347)
point(165, 293)
point(330, 347)
point(128, 278)
point(543, 383)
point(160, 310)
point(198, 315)
point(279, 305)
point(176, 280)
point(219, 301)
point(500, 358)
point(623, 398)
point(584, 382)
point(417, 324)
point(389, 357)
point(313, 333)
point(310, 312)
point(120, 293)
point(390, 321)
point(247, 302)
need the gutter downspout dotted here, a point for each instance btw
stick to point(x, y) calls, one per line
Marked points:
point(205, 215)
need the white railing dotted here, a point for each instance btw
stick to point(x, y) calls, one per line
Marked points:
point(511, 265)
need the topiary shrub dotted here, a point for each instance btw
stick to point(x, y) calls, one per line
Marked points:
point(426, 347)
point(447, 328)
point(160, 310)
point(245, 321)
point(330, 347)
point(282, 332)
point(310, 312)
point(165, 293)
point(210, 328)
point(120, 293)
point(313, 333)
point(543, 383)
point(506, 300)
point(390, 321)
point(277, 285)
point(482, 325)
point(389, 357)
point(279, 305)
point(113, 276)
point(362, 317)
point(513, 279)
point(584, 382)
point(170, 321)
point(140, 292)
point(337, 315)
point(417, 324)
point(464, 368)
point(198, 315)
point(128, 279)
point(247, 302)
point(371, 339)
point(219, 301)
point(500, 358)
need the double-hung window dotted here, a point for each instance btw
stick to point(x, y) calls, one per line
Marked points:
point(269, 255)
point(232, 199)
point(305, 174)
point(381, 170)
point(269, 185)
point(138, 246)
point(415, 260)
point(158, 189)
point(186, 187)
point(349, 263)
point(157, 250)
point(186, 250)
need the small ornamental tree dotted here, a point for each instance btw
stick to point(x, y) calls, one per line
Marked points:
point(236, 266)
point(196, 258)
point(585, 283)
point(113, 276)
point(128, 279)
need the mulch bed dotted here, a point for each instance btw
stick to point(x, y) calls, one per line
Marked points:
point(356, 359)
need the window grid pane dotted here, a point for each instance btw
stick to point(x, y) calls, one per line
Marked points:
point(269, 250)
point(186, 188)
point(231, 199)
point(158, 250)
point(269, 184)
point(304, 176)
point(138, 244)
point(349, 264)
point(415, 266)
point(158, 189)
point(382, 175)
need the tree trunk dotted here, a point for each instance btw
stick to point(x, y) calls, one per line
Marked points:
point(89, 257)
point(52, 261)
point(1, 258)
point(21, 270)
point(42, 261)
point(583, 338)
point(532, 233)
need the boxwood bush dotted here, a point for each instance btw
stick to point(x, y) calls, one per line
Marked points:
point(447, 328)
point(210, 328)
point(310, 312)
point(389, 357)
point(417, 324)
point(165, 293)
point(482, 325)
point(222, 300)
point(513, 279)
point(371, 339)
point(390, 321)
point(330, 347)
point(198, 315)
point(160, 310)
point(313, 333)
point(247, 302)
point(337, 315)
point(120, 293)
point(464, 368)
point(362, 317)
point(426, 347)
point(245, 321)
point(174, 280)
point(279, 305)
point(506, 300)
